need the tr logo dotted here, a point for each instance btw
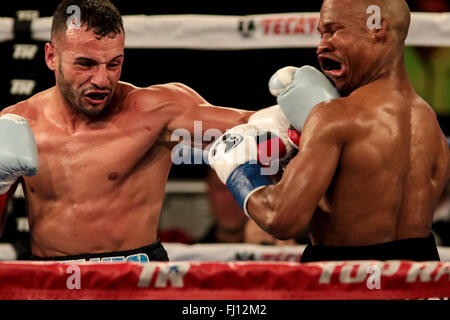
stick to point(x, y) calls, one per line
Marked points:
point(22, 87)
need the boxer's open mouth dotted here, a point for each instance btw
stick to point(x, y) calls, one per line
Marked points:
point(96, 97)
point(331, 67)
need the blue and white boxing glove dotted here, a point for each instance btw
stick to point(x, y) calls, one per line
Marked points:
point(234, 157)
point(298, 90)
point(18, 151)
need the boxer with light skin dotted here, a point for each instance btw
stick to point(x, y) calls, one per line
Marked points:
point(104, 145)
point(372, 164)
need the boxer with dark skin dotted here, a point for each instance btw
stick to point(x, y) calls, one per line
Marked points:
point(104, 145)
point(376, 159)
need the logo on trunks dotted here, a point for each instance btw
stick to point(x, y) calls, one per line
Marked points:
point(139, 258)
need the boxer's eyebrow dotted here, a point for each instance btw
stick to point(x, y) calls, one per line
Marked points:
point(117, 57)
point(85, 60)
point(327, 26)
point(323, 26)
point(93, 61)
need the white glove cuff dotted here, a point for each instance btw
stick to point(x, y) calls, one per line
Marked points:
point(248, 197)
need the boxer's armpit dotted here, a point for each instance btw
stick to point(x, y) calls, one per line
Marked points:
point(324, 205)
point(167, 137)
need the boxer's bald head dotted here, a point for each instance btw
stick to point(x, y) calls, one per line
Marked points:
point(395, 12)
point(360, 37)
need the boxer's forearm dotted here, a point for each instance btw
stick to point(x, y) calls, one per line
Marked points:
point(210, 121)
point(215, 117)
point(273, 213)
point(285, 209)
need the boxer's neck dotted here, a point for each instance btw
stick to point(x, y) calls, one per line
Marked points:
point(65, 115)
point(389, 66)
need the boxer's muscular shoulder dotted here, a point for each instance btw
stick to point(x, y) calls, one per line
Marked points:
point(330, 118)
point(31, 108)
point(156, 97)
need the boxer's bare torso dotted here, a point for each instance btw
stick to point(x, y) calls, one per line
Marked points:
point(376, 160)
point(392, 168)
point(101, 183)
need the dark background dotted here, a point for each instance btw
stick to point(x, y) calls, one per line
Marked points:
point(235, 78)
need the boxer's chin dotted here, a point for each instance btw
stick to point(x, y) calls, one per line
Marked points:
point(344, 87)
point(88, 107)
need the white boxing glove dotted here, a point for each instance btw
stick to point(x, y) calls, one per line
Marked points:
point(272, 119)
point(298, 90)
point(18, 151)
point(232, 149)
point(234, 157)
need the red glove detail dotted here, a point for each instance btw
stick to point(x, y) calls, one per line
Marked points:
point(271, 149)
point(294, 136)
point(2, 202)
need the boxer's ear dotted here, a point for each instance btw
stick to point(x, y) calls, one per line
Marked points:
point(50, 56)
point(379, 33)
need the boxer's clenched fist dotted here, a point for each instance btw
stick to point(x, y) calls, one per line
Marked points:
point(283, 135)
point(298, 90)
point(234, 157)
point(18, 152)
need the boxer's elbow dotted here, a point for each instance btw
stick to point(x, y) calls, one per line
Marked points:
point(283, 222)
point(284, 229)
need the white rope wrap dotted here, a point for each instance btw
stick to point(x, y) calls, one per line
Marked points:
point(215, 32)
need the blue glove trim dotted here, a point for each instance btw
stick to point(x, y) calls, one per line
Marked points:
point(244, 180)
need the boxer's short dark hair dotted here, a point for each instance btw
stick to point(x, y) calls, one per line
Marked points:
point(101, 16)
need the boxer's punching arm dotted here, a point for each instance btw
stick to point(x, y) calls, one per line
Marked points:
point(190, 109)
point(285, 209)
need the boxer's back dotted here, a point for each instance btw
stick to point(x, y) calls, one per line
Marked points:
point(392, 169)
point(428, 173)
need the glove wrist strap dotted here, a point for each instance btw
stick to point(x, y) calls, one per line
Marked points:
point(245, 180)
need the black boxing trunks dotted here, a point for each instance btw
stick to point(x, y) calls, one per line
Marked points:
point(152, 252)
point(415, 249)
